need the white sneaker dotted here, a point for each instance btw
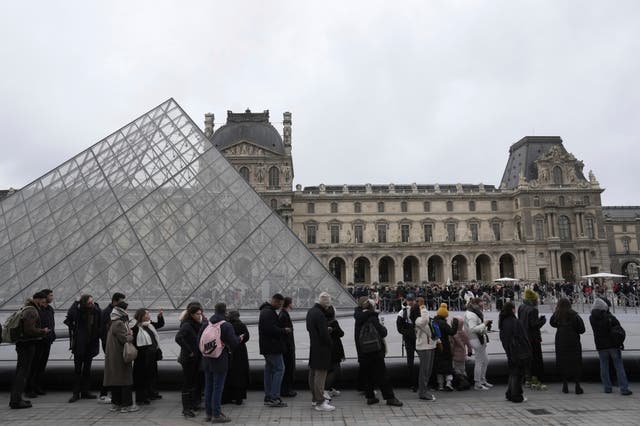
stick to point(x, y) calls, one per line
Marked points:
point(326, 395)
point(334, 392)
point(487, 385)
point(104, 400)
point(313, 403)
point(129, 409)
point(481, 388)
point(524, 399)
point(325, 406)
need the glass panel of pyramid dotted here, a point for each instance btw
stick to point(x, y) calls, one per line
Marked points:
point(156, 212)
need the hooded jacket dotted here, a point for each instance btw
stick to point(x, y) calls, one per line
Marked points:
point(230, 340)
point(601, 322)
point(271, 334)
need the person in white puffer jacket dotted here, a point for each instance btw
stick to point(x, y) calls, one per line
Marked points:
point(425, 347)
point(476, 328)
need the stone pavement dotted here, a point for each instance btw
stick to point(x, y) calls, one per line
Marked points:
point(549, 407)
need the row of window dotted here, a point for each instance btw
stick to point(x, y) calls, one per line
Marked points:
point(564, 228)
point(357, 206)
point(273, 175)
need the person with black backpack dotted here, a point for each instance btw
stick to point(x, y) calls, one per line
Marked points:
point(371, 350)
point(515, 342)
point(609, 338)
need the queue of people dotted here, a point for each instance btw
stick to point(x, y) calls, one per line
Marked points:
point(215, 361)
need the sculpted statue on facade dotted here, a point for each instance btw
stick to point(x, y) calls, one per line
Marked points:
point(286, 171)
point(260, 171)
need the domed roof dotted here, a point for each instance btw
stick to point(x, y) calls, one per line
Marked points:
point(252, 127)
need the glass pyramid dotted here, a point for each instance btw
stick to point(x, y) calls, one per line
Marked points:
point(156, 212)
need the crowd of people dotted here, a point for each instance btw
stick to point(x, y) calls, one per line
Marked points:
point(215, 361)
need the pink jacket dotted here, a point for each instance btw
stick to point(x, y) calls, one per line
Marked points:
point(460, 343)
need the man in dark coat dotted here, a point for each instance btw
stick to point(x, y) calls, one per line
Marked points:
point(516, 346)
point(47, 320)
point(372, 366)
point(532, 321)
point(29, 335)
point(289, 353)
point(105, 320)
point(271, 337)
point(319, 351)
point(602, 323)
point(83, 319)
point(237, 381)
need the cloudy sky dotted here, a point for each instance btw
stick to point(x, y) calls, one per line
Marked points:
point(406, 91)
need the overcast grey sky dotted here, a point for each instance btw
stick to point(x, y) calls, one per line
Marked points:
point(424, 91)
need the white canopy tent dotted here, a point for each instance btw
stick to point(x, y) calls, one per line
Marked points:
point(604, 275)
point(506, 279)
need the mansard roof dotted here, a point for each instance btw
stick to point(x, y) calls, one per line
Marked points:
point(251, 127)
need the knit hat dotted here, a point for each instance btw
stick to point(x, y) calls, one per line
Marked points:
point(362, 300)
point(600, 305)
point(39, 295)
point(443, 311)
point(530, 295)
point(324, 299)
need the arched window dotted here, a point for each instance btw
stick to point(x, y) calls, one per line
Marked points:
point(244, 172)
point(357, 207)
point(403, 206)
point(557, 175)
point(274, 177)
point(274, 204)
point(449, 206)
point(564, 227)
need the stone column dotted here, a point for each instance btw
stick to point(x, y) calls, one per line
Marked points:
point(374, 272)
point(349, 270)
point(495, 269)
point(424, 267)
point(552, 267)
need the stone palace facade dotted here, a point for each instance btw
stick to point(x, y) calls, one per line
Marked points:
point(544, 222)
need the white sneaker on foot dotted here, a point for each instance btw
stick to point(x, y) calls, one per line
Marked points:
point(481, 388)
point(325, 406)
point(104, 400)
point(487, 385)
point(129, 409)
point(334, 392)
point(326, 395)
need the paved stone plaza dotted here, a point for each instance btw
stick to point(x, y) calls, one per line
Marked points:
point(457, 408)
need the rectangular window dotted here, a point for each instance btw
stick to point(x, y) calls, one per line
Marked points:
point(474, 231)
point(357, 207)
point(426, 206)
point(358, 234)
point(494, 206)
point(380, 207)
point(586, 200)
point(311, 208)
point(382, 232)
point(536, 201)
point(311, 234)
point(403, 207)
point(334, 207)
point(496, 231)
point(539, 229)
point(404, 232)
point(451, 232)
point(335, 234)
point(428, 232)
point(472, 206)
point(590, 230)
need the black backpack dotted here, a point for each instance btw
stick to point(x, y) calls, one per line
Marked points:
point(369, 338)
point(617, 334)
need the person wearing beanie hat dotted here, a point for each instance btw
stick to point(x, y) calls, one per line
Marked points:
point(319, 351)
point(443, 362)
point(608, 335)
point(532, 322)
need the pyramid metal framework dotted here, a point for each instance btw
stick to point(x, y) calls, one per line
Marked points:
point(156, 212)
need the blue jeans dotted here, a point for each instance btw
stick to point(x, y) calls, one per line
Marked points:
point(213, 386)
point(273, 373)
point(616, 356)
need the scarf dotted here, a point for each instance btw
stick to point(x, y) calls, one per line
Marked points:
point(144, 338)
point(476, 310)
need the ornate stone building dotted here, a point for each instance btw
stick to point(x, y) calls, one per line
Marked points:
point(622, 225)
point(544, 222)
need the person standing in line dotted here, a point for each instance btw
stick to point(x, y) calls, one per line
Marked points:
point(289, 353)
point(237, 381)
point(319, 351)
point(425, 346)
point(47, 320)
point(374, 369)
point(406, 327)
point(145, 366)
point(569, 327)
point(29, 333)
point(83, 319)
point(118, 374)
point(337, 354)
point(189, 357)
point(271, 335)
point(608, 345)
point(476, 328)
point(516, 346)
point(215, 368)
point(443, 360)
point(105, 321)
point(460, 348)
point(532, 321)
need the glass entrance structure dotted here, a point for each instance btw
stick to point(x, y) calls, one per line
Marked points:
point(156, 212)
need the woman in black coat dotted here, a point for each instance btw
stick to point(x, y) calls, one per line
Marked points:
point(289, 354)
point(337, 352)
point(237, 380)
point(516, 346)
point(190, 357)
point(145, 366)
point(443, 359)
point(568, 347)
